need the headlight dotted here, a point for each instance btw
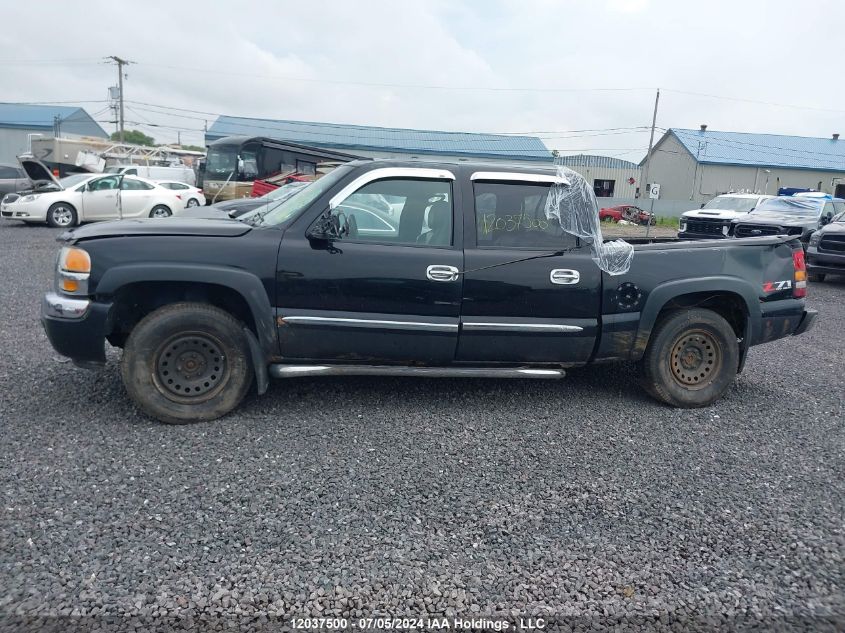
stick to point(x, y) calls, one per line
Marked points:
point(682, 225)
point(28, 198)
point(74, 269)
point(815, 238)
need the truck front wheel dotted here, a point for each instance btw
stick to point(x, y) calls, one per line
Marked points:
point(187, 362)
point(691, 359)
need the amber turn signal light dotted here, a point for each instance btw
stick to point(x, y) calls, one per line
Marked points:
point(75, 260)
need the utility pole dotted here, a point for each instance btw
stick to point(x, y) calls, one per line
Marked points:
point(648, 161)
point(120, 64)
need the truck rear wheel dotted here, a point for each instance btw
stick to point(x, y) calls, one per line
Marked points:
point(691, 359)
point(187, 362)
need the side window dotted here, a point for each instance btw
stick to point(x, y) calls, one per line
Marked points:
point(838, 207)
point(399, 211)
point(8, 173)
point(130, 184)
point(513, 215)
point(130, 172)
point(103, 184)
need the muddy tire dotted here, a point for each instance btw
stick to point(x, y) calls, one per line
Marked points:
point(187, 362)
point(61, 215)
point(691, 359)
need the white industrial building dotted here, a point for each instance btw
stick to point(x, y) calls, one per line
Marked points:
point(697, 165)
point(20, 124)
point(609, 177)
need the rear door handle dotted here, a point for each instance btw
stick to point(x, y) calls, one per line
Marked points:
point(438, 272)
point(564, 276)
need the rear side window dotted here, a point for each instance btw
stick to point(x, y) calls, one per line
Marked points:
point(513, 215)
point(130, 184)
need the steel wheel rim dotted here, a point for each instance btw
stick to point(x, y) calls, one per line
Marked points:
point(193, 203)
point(191, 367)
point(62, 216)
point(695, 359)
point(160, 212)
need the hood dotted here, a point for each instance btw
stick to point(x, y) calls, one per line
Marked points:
point(156, 226)
point(716, 214)
point(833, 227)
point(240, 204)
point(205, 213)
point(37, 172)
point(779, 219)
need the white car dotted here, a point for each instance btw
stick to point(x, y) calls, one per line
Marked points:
point(191, 196)
point(713, 220)
point(86, 198)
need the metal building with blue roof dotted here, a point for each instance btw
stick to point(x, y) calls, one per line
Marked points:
point(384, 142)
point(19, 121)
point(700, 164)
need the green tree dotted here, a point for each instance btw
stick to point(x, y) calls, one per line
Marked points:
point(193, 148)
point(136, 137)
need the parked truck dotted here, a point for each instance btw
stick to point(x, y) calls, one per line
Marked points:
point(411, 268)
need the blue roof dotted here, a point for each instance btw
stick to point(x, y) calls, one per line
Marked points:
point(74, 120)
point(591, 160)
point(763, 150)
point(352, 137)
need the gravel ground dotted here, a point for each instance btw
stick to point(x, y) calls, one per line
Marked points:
point(583, 502)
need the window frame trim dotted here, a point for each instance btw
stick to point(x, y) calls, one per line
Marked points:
point(384, 173)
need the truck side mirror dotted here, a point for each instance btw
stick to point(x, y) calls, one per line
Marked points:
point(328, 227)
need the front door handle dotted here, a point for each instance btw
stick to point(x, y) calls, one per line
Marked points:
point(564, 276)
point(441, 273)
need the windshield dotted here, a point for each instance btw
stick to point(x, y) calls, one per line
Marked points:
point(73, 179)
point(293, 206)
point(284, 192)
point(221, 161)
point(791, 206)
point(731, 203)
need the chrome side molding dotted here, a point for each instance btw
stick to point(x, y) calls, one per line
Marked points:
point(519, 327)
point(294, 371)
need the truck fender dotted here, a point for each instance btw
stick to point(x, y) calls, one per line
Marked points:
point(247, 285)
point(665, 292)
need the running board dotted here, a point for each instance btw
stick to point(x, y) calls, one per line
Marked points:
point(296, 371)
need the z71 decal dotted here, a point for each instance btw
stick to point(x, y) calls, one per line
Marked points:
point(774, 286)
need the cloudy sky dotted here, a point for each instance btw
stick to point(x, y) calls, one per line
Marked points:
point(546, 66)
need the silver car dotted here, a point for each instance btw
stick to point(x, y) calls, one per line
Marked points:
point(12, 179)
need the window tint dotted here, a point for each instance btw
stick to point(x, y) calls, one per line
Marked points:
point(8, 173)
point(400, 211)
point(173, 185)
point(104, 184)
point(130, 172)
point(130, 184)
point(514, 215)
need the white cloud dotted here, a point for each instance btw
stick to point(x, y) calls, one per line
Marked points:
point(252, 62)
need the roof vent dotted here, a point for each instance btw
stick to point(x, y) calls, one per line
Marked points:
point(836, 136)
point(703, 127)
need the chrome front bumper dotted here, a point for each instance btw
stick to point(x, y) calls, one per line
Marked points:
point(60, 307)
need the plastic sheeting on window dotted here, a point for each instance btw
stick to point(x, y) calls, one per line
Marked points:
point(573, 203)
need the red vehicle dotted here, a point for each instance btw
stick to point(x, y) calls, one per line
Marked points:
point(626, 212)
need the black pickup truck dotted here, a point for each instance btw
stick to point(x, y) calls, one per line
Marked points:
point(409, 268)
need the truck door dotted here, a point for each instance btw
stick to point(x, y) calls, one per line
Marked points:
point(541, 310)
point(389, 289)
